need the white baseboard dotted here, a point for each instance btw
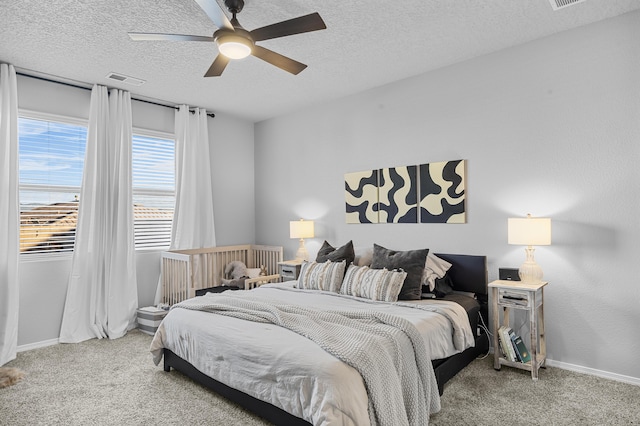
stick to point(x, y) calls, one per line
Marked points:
point(590, 371)
point(594, 372)
point(37, 345)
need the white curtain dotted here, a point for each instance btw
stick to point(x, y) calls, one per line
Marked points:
point(9, 214)
point(102, 295)
point(193, 225)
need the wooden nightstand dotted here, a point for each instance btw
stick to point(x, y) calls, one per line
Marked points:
point(289, 270)
point(530, 298)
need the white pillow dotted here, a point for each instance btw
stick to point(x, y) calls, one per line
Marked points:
point(434, 268)
point(253, 272)
point(325, 276)
point(364, 256)
point(374, 284)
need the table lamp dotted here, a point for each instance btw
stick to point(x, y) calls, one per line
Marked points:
point(530, 231)
point(301, 229)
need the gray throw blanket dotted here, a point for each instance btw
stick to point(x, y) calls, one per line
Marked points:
point(386, 350)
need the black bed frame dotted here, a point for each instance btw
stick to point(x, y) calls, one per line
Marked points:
point(468, 273)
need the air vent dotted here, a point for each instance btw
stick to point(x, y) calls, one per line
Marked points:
point(125, 79)
point(561, 4)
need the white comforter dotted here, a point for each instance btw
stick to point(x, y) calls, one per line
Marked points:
point(289, 371)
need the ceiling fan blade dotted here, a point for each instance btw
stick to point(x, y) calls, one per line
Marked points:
point(168, 37)
point(218, 65)
point(280, 61)
point(215, 13)
point(302, 24)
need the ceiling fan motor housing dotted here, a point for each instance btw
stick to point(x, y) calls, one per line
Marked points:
point(234, 6)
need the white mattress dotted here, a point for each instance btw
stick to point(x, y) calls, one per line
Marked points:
point(287, 370)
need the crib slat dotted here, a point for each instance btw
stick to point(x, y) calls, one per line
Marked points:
point(185, 271)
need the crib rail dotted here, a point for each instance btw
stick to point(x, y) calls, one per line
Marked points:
point(185, 271)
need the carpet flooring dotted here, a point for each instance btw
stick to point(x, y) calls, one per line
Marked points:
point(114, 382)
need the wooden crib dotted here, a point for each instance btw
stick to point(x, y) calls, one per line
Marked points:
point(185, 271)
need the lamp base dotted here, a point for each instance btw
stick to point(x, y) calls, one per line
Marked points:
point(530, 271)
point(302, 253)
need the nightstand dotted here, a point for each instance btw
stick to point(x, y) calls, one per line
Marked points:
point(289, 270)
point(524, 296)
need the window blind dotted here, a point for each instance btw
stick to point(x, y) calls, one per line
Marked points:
point(51, 158)
point(153, 173)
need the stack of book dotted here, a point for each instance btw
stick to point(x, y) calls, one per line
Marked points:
point(512, 345)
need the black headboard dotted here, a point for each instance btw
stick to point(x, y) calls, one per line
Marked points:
point(468, 272)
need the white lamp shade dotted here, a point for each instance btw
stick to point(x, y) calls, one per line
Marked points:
point(529, 231)
point(301, 229)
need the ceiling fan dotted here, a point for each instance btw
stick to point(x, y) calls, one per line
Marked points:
point(234, 42)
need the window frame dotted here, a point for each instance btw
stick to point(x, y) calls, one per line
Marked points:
point(49, 117)
point(84, 122)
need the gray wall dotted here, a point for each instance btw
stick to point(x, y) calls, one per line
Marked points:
point(549, 128)
point(43, 282)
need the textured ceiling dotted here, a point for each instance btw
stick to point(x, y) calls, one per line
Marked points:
point(367, 43)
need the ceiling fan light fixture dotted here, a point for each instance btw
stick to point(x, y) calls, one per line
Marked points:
point(234, 47)
point(234, 42)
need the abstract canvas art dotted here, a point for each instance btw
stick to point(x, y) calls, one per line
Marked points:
point(361, 196)
point(443, 192)
point(428, 193)
point(398, 195)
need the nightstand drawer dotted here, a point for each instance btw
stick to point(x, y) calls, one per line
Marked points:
point(517, 298)
point(289, 271)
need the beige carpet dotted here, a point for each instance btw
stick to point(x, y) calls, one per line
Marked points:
point(114, 382)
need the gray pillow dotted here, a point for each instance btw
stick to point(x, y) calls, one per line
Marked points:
point(328, 252)
point(412, 262)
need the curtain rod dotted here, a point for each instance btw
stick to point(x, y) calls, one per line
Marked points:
point(87, 87)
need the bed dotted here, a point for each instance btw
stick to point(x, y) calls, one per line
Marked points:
point(256, 364)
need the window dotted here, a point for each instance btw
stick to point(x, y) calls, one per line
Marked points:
point(51, 156)
point(153, 172)
point(51, 159)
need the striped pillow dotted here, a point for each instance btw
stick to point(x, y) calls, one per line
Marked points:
point(374, 284)
point(325, 276)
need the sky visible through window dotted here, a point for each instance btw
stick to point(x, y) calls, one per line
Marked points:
point(52, 157)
